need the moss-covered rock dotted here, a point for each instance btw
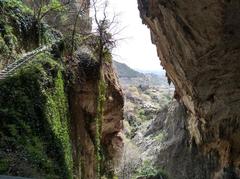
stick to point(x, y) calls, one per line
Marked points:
point(20, 32)
point(34, 122)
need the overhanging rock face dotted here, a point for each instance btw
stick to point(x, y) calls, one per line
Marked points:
point(198, 43)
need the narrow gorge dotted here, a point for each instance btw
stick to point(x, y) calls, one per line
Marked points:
point(69, 110)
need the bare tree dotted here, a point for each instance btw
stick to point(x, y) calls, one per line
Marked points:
point(101, 42)
point(80, 15)
point(45, 10)
point(41, 8)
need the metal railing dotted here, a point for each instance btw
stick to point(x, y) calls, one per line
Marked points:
point(27, 57)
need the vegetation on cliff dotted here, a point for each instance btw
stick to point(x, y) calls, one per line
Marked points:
point(34, 122)
point(15, 25)
point(34, 112)
point(34, 116)
point(99, 120)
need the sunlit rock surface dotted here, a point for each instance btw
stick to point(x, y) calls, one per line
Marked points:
point(83, 111)
point(198, 44)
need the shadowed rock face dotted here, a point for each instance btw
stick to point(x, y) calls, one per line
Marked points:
point(83, 103)
point(176, 156)
point(198, 43)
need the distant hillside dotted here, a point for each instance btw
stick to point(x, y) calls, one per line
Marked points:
point(129, 76)
point(125, 71)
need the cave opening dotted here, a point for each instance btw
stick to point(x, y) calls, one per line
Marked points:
point(61, 104)
point(147, 95)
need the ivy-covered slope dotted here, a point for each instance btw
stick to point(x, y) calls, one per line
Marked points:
point(39, 136)
point(34, 116)
point(34, 122)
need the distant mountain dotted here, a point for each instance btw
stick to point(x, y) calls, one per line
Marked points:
point(159, 72)
point(129, 76)
point(125, 71)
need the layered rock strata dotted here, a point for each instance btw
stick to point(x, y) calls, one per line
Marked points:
point(198, 44)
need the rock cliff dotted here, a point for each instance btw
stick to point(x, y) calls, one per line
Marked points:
point(83, 106)
point(198, 44)
point(48, 106)
point(174, 154)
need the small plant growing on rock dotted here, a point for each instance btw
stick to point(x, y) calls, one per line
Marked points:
point(101, 43)
point(147, 170)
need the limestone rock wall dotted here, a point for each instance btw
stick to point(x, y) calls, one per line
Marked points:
point(177, 157)
point(83, 98)
point(198, 44)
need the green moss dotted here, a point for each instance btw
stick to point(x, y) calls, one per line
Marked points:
point(4, 165)
point(14, 24)
point(48, 36)
point(56, 112)
point(19, 30)
point(99, 119)
point(8, 42)
point(3, 47)
point(34, 120)
point(107, 56)
point(15, 4)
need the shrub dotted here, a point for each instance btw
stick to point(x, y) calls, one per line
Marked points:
point(148, 170)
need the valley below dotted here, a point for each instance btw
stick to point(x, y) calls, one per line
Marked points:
point(68, 110)
point(148, 98)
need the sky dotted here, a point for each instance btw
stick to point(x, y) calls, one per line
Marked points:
point(136, 49)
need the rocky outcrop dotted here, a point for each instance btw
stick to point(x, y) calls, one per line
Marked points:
point(165, 142)
point(174, 155)
point(198, 44)
point(83, 96)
